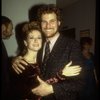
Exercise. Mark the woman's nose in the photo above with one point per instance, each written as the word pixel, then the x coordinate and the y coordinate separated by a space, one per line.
pixel 35 40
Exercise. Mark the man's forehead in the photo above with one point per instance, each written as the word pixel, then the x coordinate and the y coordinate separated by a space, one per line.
pixel 48 15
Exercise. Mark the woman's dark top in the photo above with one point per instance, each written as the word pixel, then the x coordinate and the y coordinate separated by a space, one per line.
pixel 23 83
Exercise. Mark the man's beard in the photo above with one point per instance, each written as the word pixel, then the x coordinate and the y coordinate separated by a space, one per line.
pixel 52 35
pixel 6 36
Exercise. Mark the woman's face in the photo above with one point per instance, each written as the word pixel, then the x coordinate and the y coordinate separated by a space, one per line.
pixel 34 40
pixel 87 46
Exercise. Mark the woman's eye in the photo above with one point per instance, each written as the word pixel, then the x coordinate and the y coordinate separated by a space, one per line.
pixel 39 38
pixel 31 38
pixel 35 38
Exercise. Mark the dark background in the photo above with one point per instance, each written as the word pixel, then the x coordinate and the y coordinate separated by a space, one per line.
pixel 97 40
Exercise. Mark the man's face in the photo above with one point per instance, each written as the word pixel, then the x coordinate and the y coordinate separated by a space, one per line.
pixel 49 24
pixel 7 31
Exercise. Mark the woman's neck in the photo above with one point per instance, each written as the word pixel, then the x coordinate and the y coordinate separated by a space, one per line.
pixel 30 56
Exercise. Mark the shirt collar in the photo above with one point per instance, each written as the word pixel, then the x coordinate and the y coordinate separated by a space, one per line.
pixel 54 38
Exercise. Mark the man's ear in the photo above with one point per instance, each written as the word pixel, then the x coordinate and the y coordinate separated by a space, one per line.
pixel 59 23
pixel 25 43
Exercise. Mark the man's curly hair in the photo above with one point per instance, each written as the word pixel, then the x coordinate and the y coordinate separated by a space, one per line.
pixel 49 8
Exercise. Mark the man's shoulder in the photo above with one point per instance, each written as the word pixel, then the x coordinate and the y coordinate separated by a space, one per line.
pixel 69 40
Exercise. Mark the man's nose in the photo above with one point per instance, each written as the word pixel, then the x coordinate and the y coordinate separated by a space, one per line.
pixel 48 25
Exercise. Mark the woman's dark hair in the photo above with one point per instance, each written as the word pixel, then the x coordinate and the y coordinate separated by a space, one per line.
pixel 49 8
pixel 29 27
pixel 85 40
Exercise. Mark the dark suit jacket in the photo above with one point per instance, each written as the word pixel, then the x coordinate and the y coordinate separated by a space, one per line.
pixel 4 73
pixel 63 51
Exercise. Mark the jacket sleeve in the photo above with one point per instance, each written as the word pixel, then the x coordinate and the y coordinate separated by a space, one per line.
pixel 71 86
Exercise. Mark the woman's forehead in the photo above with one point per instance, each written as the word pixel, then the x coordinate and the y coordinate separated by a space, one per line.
pixel 35 33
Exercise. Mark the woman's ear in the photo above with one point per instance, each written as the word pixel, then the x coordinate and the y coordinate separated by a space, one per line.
pixel 25 43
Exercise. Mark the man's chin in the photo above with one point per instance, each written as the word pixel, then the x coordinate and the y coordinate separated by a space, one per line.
pixel 6 37
pixel 49 34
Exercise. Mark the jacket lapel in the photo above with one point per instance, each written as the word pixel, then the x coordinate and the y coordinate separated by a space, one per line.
pixel 57 47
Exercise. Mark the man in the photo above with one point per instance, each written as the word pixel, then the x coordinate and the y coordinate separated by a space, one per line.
pixel 6 30
pixel 62 51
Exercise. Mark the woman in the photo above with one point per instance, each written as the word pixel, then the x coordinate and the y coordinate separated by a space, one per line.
pixel 27 80
pixel 90 91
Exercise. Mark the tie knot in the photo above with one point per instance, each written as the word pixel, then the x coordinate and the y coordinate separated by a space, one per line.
pixel 47 42
pixel 47 47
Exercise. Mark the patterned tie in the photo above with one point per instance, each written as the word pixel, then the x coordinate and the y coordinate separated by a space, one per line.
pixel 47 52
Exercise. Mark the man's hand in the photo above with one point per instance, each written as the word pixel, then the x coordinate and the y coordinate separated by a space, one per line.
pixel 69 70
pixel 43 89
pixel 17 64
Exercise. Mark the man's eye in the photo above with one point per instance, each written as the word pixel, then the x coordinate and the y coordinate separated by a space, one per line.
pixel 43 22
